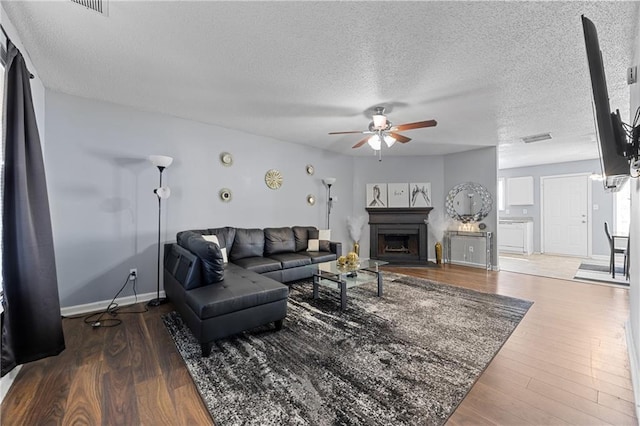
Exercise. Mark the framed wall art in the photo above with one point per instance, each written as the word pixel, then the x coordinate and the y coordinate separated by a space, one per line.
pixel 398 194
pixel 377 195
pixel 420 194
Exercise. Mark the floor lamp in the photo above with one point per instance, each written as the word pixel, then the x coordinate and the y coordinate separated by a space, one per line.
pixel 161 162
pixel 329 181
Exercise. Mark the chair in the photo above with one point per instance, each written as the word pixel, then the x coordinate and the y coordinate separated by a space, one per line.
pixel 616 250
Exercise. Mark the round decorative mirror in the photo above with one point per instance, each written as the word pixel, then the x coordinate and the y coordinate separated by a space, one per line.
pixel 469 202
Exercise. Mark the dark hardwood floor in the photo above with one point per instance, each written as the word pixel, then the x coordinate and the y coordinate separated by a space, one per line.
pixel 566 363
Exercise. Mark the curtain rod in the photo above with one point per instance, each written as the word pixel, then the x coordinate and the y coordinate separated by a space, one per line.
pixel 9 39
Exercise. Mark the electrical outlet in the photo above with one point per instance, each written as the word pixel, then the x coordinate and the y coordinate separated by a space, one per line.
pixel 471 249
pixel 133 273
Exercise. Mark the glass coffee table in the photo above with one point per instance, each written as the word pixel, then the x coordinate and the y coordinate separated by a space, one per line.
pixel 329 274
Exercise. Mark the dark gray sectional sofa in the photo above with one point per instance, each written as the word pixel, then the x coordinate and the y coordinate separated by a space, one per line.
pixel 217 300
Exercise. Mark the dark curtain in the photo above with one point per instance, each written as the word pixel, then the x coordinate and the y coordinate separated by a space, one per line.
pixel 31 322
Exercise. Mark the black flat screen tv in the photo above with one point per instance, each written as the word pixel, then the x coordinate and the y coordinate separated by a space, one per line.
pixel 612 140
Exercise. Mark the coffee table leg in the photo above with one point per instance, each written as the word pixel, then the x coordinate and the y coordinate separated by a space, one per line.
pixel 315 286
pixel 343 295
pixel 379 284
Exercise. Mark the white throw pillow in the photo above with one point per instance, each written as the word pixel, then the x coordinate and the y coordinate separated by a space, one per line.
pixel 314 245
pixel 214 239
pixel 324 234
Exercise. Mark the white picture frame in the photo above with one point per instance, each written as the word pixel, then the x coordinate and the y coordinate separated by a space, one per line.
pixel 377 195
pixel 398 194
pixel 420 194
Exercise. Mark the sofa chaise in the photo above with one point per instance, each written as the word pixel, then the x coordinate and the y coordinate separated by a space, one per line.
pixel 216 298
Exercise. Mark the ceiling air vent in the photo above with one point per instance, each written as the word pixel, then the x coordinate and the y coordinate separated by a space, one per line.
pixel 100 6
pixel 536 138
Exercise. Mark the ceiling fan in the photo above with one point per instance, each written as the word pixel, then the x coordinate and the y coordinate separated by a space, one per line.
pixel 382 129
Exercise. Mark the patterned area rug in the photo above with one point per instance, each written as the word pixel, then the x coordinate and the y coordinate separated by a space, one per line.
pixel 598 273
pixel 409 357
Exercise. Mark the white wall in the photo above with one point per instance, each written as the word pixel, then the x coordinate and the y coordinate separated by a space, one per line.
pixel 634 289
pixel 103 209
pixel 604 200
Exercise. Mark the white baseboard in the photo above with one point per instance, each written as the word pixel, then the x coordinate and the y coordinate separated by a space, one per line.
pixel 102 305
pixel 7 381
pixel 634 364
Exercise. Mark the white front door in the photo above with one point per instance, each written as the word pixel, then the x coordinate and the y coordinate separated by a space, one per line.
pixel 565 215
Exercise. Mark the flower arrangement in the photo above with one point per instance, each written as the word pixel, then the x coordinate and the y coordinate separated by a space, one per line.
pixel 438 223
pixel 355 225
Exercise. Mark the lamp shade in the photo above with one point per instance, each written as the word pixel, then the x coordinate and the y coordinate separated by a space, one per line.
pixel 374 142
pixel 163 192
pixel 389 140
pixel 329 181
pixel 161 160
pixel 379 121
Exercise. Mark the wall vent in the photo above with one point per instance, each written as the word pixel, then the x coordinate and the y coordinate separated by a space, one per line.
pixel 536 138
pixel 100 6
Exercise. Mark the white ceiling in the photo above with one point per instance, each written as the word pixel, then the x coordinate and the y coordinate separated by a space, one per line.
pixel 489 72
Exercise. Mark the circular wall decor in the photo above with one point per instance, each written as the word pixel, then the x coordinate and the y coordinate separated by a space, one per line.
pixel 226 159
pixel 225 195
pixel 311 199
pixel 273 179
pixel 468 202
pixel 310 169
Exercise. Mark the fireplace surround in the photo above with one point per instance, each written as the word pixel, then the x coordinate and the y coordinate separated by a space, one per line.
pixel 399 235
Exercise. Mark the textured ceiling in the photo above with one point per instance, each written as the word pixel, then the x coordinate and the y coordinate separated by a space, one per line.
pixel 490 73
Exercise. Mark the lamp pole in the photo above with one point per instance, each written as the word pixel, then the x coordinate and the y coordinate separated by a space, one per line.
pixel 161 162
pixel 158 300
pixel 329 201
pixel 329 181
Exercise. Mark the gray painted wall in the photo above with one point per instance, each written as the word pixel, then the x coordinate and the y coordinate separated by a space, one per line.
pixel 479 166
pixel 443 172
pixel 104 212
pixel 603 200
pixel 396 170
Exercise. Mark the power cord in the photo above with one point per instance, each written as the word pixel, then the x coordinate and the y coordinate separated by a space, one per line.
pixel 113 308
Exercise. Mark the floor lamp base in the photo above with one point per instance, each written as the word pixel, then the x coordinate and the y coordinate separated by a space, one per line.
pixel 157 302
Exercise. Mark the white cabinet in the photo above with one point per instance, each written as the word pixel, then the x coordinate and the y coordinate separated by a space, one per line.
pixel 516 237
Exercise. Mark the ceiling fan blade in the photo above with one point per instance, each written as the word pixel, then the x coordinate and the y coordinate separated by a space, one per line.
pixel 416 125
pixel 344 133
pixel 362 142
pixel 400 138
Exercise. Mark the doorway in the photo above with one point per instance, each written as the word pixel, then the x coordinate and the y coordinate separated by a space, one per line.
pixel 565 218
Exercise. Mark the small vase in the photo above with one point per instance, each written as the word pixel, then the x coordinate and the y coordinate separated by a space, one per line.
pixel 356 248
pixel 438 253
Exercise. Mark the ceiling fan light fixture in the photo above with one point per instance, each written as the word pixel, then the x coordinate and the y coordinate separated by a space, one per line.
pixel 389 140
pixel 375 142
pixel 379 121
